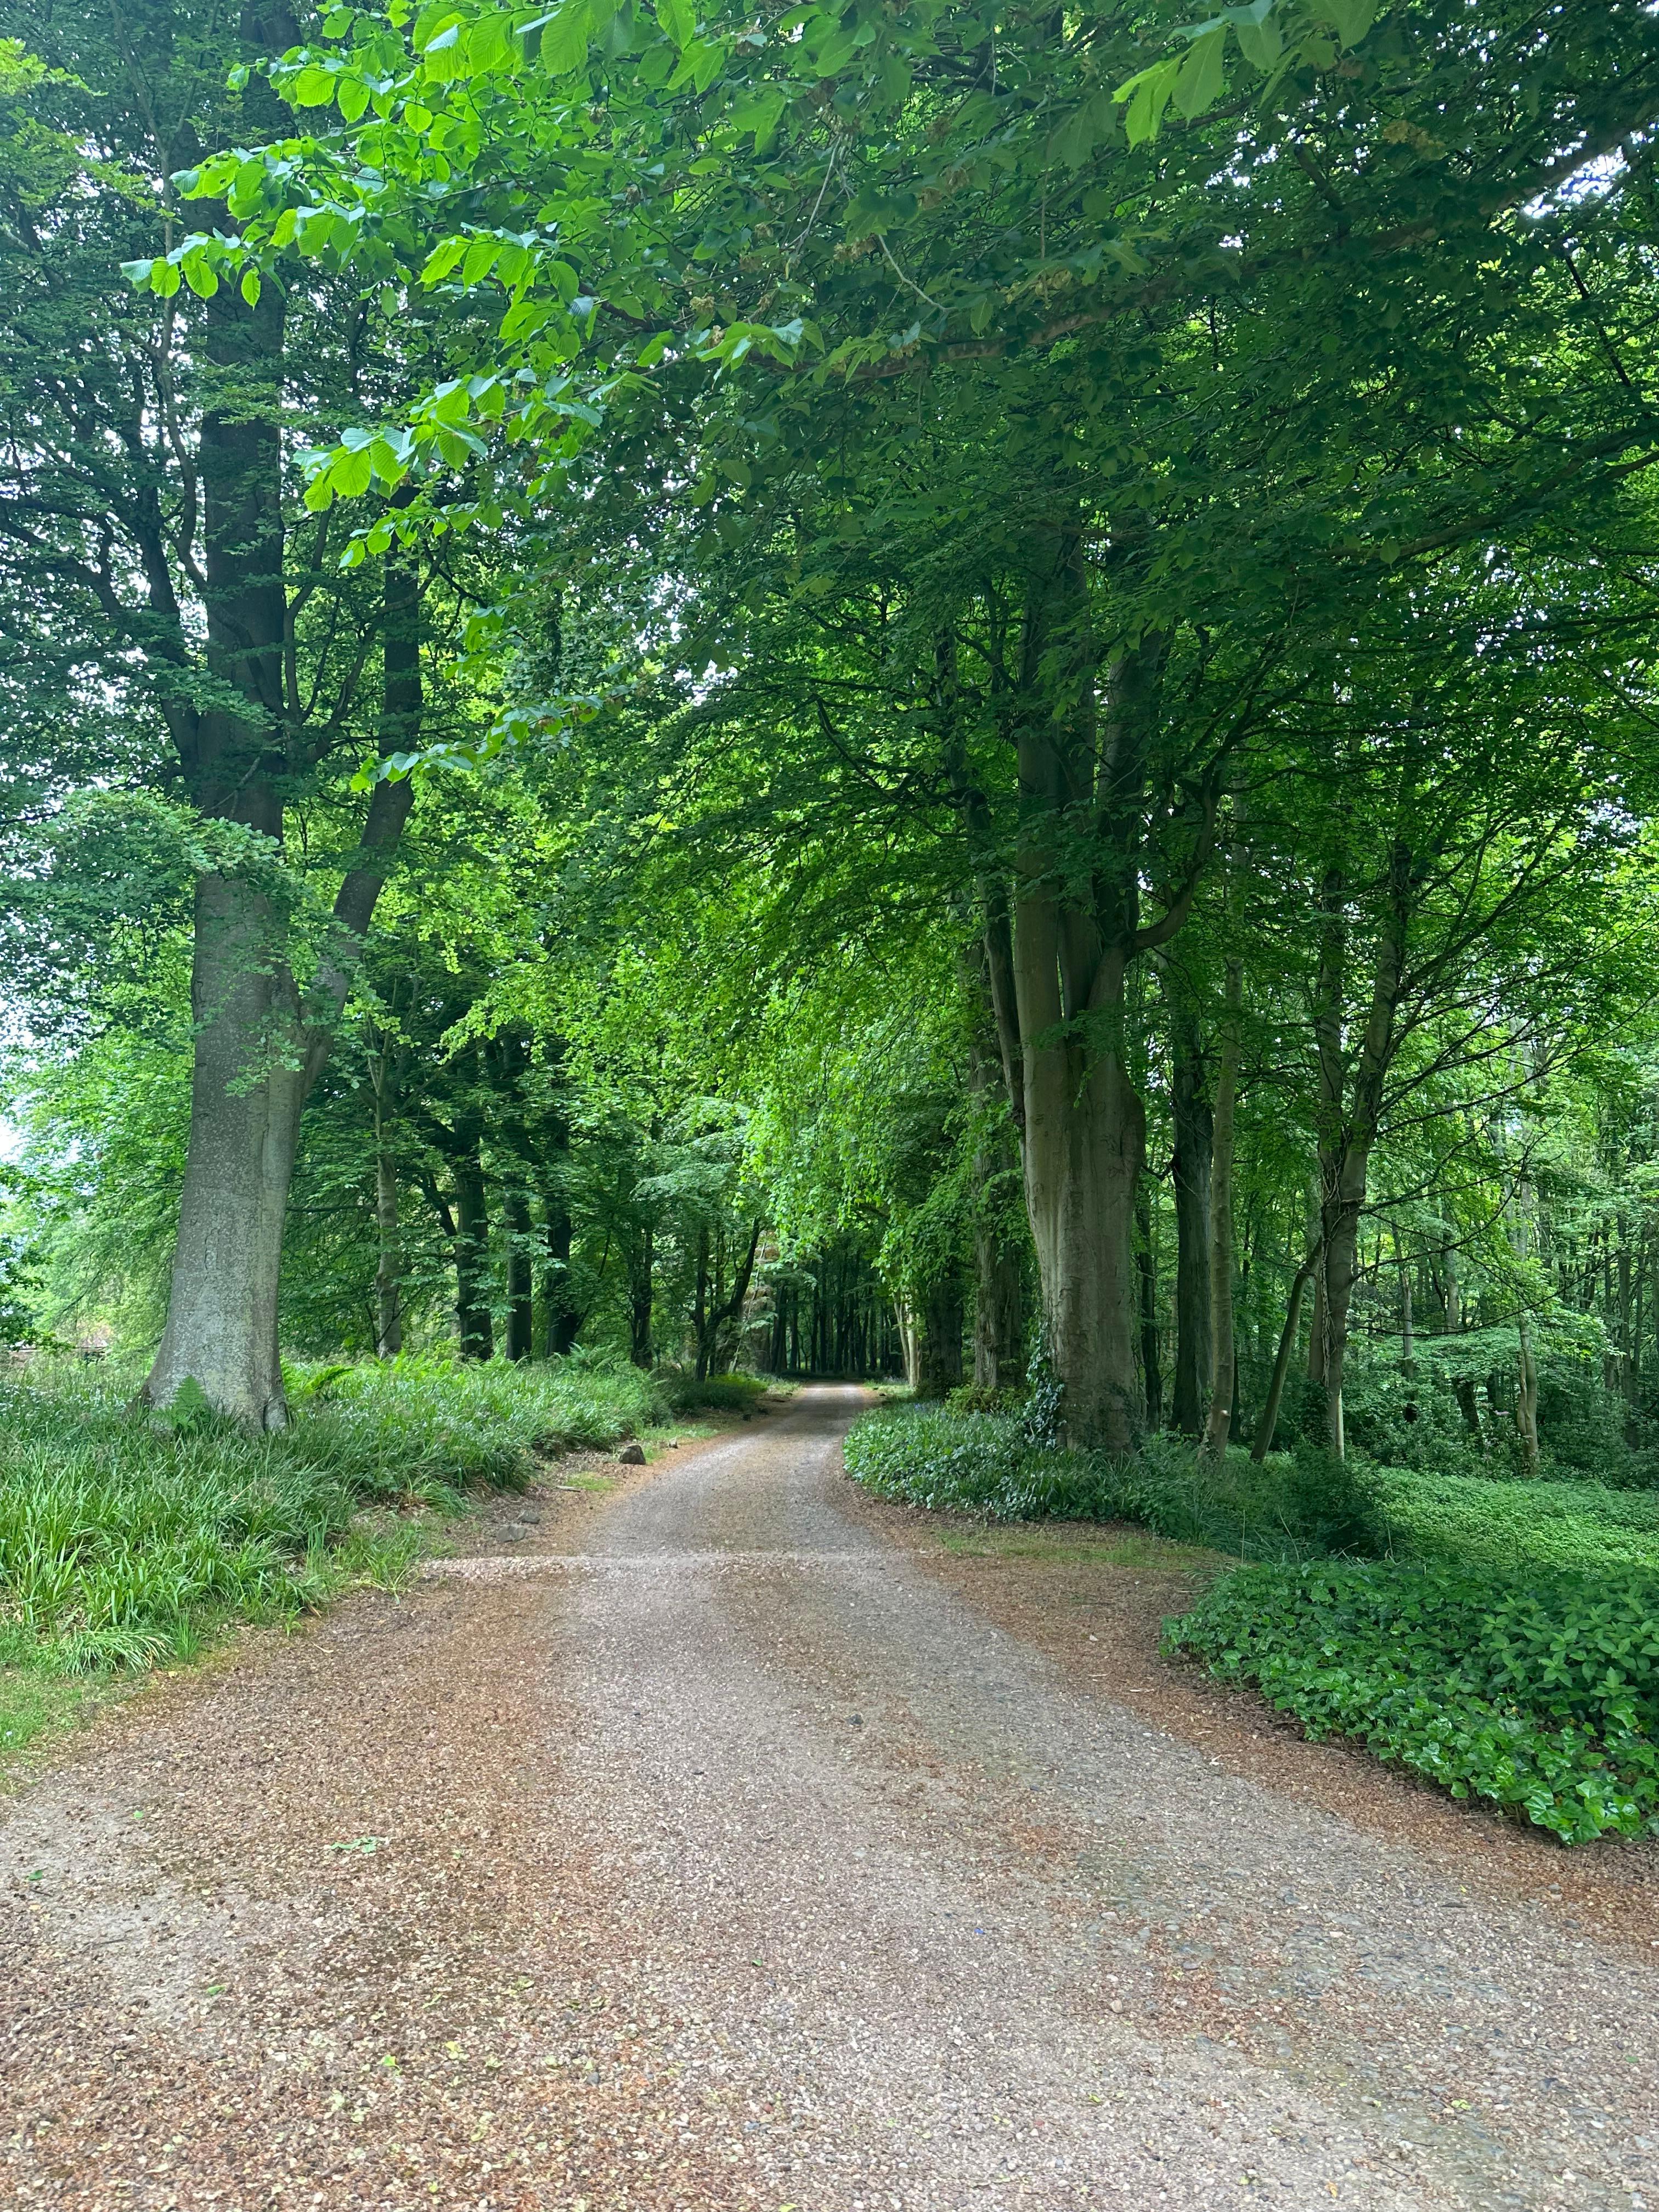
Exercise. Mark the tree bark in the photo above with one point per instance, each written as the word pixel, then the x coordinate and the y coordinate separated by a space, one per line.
pixel 940 1321
pixel 1345 1152
pixel 1147 1260
pixel 1225 1357
pixel 642 1295
pixel 520 1277
pixel 220 1329
pixel 1269 1421
pixel 257 1050
pixel 388 1279
pixel 472 1304
pixel 1084 1125
pixel 1190 1172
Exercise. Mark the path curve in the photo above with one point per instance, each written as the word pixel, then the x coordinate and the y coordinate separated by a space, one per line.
pixel 706 1850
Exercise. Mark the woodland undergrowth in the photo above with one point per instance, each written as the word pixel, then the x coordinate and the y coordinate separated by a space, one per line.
pixel 1499 1638
pixel 128 1539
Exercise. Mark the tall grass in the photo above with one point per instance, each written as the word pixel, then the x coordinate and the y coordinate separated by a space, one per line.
pixel 123 1537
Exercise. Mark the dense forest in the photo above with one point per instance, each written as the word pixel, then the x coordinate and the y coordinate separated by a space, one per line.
pixel 889 689
pixel 871 689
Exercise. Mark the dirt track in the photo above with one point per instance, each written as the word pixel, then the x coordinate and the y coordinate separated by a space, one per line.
pixel 704 1846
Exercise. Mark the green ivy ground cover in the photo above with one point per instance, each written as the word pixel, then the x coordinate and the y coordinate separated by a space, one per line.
pixel 1541 1695
pixel 1520 1524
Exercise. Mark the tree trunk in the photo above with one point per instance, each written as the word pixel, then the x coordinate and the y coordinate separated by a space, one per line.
pixel 220 1329
pixel 727 1327
pixel 388 1279
pixel 1076 936
pixel 257 1051
pixel 938 1338
pixel 641 1295
pixel 1223 1375
pixel 521 1278
pixel 1269 1421
pixel 1152 1374
pixel 561 1323
pixel 1526 1399
pixel 1348 1135
pixel 1084 1147
pixel 472 1314
pixel 1190 1171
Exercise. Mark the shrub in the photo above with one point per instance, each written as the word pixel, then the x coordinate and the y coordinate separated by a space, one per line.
pixel 718 1394
pixel 984 1463
pixel 981 1398
pixel 1542 1696
pixel 1332 1506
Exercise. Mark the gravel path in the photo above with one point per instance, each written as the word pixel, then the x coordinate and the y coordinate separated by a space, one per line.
pixel 704 1846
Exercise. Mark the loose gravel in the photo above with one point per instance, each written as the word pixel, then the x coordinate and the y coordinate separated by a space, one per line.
pixel 723 1844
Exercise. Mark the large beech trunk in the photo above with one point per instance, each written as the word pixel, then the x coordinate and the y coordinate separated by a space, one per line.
pixel 1084 1125
pixel 220 1329
pixel 1057 957
pixel 257 1049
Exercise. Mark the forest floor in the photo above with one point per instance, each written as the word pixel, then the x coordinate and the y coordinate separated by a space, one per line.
pixel 729 1840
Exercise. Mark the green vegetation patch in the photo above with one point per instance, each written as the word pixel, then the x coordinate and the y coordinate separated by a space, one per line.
pixel 125 1537
pixel 1460 1518
pixel 985 1463
pixel 1542 1696
pixel 717 1393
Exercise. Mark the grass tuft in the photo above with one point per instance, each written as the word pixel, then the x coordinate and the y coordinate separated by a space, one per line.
pixel 125 1540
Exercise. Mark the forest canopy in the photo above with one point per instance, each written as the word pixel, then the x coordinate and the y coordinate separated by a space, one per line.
pixel 845 689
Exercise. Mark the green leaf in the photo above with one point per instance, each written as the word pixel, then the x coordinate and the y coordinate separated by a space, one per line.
pixel 351 474
pixel 249 287
pixel 564 41
pixel 313 88
pixel 1259 40
pixel 1201 76
pixel 1351 18
pixel 1148 96
pixel 1082 131
pixel 679 18
pixel 164 278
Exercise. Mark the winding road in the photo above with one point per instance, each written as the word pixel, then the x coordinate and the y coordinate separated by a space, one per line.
pixel 703 1845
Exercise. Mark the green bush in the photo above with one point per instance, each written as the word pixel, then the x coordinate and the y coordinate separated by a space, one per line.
pixel 984 1463
pixel 716 1394
pixel 1542 1696
pixel 124 1535
pixel 981 1398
